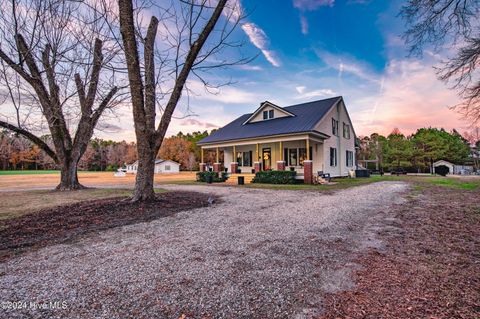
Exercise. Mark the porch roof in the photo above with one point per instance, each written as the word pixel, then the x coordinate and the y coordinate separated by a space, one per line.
pixel 306 116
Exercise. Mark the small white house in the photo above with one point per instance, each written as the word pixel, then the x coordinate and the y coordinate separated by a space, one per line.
pixel 161 167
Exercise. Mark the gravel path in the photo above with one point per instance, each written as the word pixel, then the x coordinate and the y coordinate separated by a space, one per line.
pixel 256 254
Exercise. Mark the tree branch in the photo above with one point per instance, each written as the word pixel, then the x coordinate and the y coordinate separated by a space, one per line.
pixel 182 77
pixel 149 56
pixel 35 139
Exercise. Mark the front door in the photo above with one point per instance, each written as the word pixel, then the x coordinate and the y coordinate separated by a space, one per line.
pixel 267 158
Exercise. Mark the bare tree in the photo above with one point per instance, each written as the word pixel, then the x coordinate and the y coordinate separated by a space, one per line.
pixel 181 49
pixel 456 23
pixel 53 53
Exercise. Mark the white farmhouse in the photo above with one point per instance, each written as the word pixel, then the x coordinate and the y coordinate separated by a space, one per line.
pixel 311 138
pixel 161 167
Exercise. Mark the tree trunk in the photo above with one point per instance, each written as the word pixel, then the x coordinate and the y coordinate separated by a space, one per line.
pixel 69 177
pixel 145 174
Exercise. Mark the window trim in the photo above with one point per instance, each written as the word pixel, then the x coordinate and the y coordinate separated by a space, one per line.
pixel 335 127
pixel 286 155
pixel 268 114
pixel 349 158
pixel 346 130
pixel 333 151
pixel 242 158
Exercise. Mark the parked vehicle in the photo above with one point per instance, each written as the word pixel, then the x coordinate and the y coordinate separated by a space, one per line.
pixel 398 171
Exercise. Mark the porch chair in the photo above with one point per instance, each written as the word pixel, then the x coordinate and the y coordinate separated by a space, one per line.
pixel 324 176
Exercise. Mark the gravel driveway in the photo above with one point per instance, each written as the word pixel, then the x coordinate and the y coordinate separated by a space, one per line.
pixel 256 254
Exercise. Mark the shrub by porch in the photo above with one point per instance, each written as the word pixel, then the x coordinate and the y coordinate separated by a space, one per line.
pixel 275 177
pixel 216 177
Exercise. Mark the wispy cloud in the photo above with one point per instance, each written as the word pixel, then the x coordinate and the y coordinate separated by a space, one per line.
pixel 225 94
pixel 300 89
pixel 259 39
pixel 306 95
pixel 304 24
pixel 310 5
pixel 347 64
pixel 411 98
pixel 198 124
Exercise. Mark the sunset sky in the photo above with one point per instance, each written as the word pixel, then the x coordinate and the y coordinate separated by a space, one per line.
pixel 314 49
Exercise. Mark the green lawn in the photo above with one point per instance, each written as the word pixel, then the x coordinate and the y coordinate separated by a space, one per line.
pixel 28 172
pixel 455 183
pixel 342 183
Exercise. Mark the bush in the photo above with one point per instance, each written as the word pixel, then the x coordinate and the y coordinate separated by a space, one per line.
pixel 216 178
pixel 111 168
pixel 442 170
pixel 275 177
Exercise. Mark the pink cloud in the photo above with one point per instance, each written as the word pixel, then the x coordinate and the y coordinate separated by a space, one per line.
pixel 198 124
pixel 411 97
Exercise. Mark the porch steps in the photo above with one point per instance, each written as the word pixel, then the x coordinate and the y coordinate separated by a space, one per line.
pixel 233 178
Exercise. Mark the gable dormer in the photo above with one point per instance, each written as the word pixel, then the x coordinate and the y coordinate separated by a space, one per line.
pixel 266 112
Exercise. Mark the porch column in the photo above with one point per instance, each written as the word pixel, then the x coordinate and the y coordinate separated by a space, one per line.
pixel 217 164
pixel 307 146
pixel 234 163
pixel 202 165
pixel 307 172
pixel 281 162
pixel 257 165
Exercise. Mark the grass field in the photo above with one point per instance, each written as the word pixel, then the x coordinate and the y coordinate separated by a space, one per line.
pixel 465 183
pixel 29 172
pixel 89 179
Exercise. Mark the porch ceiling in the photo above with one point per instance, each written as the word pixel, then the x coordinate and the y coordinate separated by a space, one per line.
pixel 313 137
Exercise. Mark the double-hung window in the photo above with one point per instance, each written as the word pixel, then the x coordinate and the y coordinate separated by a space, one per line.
pixel 346 131
pixel 244 158
pixel 349 158
pixel 334 127
pixel 267 115
pixel 333 156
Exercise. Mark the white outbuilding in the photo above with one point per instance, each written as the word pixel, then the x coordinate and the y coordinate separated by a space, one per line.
pixel 161 167
pixel 444 163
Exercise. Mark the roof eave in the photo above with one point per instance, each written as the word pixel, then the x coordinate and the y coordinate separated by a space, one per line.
pixel 318 133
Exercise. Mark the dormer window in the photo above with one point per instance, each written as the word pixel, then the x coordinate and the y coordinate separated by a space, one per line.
pixel 267 111
pixel 267 115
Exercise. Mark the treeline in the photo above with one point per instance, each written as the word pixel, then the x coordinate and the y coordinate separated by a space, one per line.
pixel 417 152
pixel 18 153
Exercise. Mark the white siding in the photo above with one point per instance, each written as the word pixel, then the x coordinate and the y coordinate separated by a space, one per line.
pixel 167 167
pixel 339 113
pixel 160 168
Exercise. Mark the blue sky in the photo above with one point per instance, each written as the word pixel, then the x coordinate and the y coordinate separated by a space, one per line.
pixel 314 49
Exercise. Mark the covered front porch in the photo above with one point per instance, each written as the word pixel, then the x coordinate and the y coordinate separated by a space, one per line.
pixel 301 153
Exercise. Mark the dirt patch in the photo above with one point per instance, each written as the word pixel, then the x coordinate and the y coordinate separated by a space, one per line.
pixel 64 223
pixel 430 269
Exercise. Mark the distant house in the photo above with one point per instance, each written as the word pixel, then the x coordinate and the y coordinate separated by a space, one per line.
pixel 161 167
pixel 309 138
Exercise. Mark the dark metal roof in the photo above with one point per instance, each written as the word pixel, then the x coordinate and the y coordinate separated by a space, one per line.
pixel 307 115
